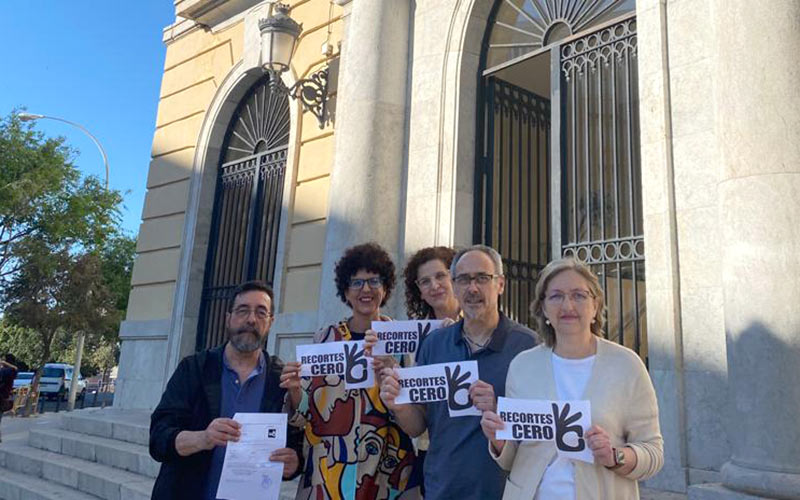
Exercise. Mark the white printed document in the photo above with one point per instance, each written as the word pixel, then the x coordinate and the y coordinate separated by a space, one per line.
pixel 247 472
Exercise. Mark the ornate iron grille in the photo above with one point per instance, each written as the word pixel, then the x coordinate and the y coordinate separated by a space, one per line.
pixel 601 202
pixel 513 188
pixel 523 26
pixel 247 206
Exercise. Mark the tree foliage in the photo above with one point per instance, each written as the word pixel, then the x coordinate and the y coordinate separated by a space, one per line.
pixel 44 197
pixel 65 265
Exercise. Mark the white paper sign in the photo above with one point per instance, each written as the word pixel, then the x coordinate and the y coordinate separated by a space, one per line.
pixel 402 337
pixel 346 359
pixel 441 382
pixel 564 422
pixel 247 472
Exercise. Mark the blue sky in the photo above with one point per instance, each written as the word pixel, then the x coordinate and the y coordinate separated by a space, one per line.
pixel 97 63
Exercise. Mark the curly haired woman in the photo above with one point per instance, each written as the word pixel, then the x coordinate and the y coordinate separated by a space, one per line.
pixel 353 448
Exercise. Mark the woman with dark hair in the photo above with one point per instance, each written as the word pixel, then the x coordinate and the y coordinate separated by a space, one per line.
pixel 429 290
pixel 354 450
pixel 575 362
pixel 429 295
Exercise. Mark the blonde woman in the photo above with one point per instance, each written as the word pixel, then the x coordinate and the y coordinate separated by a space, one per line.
pixel 576 363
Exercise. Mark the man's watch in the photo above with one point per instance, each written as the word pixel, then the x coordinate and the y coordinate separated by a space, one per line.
pixel 619 458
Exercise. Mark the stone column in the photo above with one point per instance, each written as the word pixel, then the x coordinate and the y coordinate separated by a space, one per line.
pixel 367 190
pixel 758 119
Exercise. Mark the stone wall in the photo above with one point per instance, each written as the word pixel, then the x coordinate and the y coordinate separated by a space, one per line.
pixel 205 67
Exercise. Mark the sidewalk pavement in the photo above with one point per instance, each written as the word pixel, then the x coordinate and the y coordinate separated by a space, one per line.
pixel 14 428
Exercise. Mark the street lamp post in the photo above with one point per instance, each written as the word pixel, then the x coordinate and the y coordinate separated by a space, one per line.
pixel 73 386
pixel 27 117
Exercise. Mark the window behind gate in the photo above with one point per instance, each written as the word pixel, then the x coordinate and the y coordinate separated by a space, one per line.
pixel 247 205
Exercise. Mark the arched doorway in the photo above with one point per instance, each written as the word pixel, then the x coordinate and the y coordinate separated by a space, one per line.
pixel 558 169
pixel 247 205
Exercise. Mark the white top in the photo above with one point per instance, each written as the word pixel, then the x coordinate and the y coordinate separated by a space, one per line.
pixel 571 376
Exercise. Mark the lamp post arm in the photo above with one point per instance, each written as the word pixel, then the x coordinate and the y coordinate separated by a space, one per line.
pixel 92 137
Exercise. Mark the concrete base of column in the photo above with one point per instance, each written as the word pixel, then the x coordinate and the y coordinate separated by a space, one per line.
pixel 774 484
pixel 715 491
pixel 741 483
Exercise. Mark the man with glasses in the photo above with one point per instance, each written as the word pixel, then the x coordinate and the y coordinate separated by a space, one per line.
pixel 458 464
pixel 193 422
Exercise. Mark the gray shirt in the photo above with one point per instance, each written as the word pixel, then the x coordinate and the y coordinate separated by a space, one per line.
pixel 458 464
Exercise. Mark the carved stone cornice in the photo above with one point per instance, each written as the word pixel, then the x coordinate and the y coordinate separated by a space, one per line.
pixel 212 12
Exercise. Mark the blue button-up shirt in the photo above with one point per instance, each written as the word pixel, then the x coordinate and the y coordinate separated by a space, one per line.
pixel 458 464
pixel 236 397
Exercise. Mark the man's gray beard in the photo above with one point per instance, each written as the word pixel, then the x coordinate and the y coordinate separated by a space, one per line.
pixel 239 342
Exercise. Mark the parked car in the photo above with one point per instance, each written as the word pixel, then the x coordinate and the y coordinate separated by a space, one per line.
pixel 24 379
pixel 55 381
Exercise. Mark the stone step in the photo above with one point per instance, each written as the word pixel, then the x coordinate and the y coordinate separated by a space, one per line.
pixel 93 478
pixel 715 491
pixel 118 454
pixel 132 426
pixel 16 486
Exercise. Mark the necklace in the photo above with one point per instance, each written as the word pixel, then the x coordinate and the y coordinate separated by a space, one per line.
pixel 477 345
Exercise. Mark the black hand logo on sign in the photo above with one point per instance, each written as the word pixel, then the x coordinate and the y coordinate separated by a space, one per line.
pixel 564 425
pixel 457 382
pixel 354 359
pixel 423 331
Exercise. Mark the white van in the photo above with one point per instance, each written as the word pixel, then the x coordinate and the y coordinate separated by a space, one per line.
pixel 55 381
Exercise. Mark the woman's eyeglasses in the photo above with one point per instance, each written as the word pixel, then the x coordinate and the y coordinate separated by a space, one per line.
pixel 358 283
pixel 578 297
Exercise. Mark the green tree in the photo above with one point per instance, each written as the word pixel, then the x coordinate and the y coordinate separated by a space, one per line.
pixel 44 197
pixel 64 265
pixel 22 342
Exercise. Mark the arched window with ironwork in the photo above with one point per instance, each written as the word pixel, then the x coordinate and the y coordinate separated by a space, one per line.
pixel 558 169
pixel 247 205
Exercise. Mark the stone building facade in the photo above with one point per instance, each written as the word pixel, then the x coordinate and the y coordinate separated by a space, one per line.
pixel 411 155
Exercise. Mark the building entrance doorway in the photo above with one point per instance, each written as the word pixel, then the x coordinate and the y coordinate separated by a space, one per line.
pixel 558 170
pixel 247 205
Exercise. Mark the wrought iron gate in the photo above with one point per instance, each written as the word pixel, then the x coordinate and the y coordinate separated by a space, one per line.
pixel 247 205
pixel 601 203
pixel 513 186
pixel 592 115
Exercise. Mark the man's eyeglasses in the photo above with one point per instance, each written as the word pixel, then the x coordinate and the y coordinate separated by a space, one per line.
pixel 578 297
pixel 480 278
pixel 358 283
pixel 243 312
pixel 427 281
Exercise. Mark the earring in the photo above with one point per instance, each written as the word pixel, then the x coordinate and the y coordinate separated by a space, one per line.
pixel 547 322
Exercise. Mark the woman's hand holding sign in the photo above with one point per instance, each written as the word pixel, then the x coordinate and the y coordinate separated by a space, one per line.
pixel 600 444
pixel 378 362
pixel 390 387
pixel 290 380
pixel 490 424
pixel 482 395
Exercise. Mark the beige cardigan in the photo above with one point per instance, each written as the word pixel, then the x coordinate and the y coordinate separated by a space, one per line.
pixel 623 403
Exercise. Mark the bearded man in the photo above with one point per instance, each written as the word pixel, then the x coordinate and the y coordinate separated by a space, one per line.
pixel 193 422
